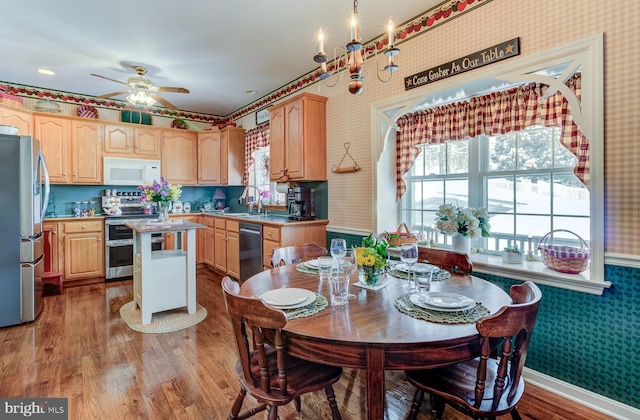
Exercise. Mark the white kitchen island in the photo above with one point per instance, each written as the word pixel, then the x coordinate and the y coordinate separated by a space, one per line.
pixel 164 279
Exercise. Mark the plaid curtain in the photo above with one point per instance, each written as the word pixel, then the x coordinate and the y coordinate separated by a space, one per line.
pixel 492 114
pixel 253 140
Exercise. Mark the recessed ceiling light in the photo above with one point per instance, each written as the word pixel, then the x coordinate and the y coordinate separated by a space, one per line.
pixel 46 72
pixel 250 92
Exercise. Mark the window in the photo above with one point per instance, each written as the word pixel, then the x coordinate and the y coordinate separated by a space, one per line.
pixel 524 179
pixel 259 176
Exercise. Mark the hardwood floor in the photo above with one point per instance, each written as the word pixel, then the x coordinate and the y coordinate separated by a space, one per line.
pixel 80 348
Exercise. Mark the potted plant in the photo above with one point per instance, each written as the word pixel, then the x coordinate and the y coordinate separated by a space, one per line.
pixel 511 255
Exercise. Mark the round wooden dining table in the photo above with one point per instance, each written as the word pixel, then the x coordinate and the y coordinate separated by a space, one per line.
pixel 370 333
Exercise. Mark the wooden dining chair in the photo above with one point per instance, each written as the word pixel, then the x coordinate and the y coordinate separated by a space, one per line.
pixel 449 260
pixel 486 387
pixel 295 253
pixel 269 373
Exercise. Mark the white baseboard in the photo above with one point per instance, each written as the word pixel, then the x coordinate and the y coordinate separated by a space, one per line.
pixel 581 396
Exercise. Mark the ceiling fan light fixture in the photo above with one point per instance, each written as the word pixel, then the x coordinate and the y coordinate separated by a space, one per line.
pixel 140 97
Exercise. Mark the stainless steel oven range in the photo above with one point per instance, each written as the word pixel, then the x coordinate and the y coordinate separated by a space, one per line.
pixel 119 238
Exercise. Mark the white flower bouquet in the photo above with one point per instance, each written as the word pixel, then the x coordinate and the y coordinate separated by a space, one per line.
pixel 465 221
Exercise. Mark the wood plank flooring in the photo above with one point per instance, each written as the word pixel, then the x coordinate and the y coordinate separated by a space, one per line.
pixel 80 348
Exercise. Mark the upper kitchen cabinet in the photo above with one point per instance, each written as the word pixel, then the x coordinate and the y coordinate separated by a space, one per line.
pixel 297 150
pixel 53 133
pixel 17 118
pixel 221 157
pixel 139 142
pixel 72 148
pixel 180 156
pixel 86 152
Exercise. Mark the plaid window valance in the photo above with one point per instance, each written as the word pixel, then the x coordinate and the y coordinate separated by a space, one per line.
pixel 492 114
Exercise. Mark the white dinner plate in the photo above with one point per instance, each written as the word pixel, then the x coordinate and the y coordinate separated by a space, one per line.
pixel 418 300
pixel 416 267
pixel 312 264
pixel 446 300
pixel 288 297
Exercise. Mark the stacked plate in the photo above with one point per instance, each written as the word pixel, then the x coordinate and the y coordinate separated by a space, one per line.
pixel 442 301
pixel 8 129
pixel 288 298
pixel 44 105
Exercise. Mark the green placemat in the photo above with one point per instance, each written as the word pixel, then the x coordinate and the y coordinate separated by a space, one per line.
pixel 438 276
pixel 302 267
pixel 470 316
pixel 318 305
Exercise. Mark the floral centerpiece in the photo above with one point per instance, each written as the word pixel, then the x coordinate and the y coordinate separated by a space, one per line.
pixel 161 193
pixel 265 196
pixel 463 221
pixel 371 259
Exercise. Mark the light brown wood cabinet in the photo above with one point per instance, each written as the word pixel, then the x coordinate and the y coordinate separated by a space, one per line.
pixel 82 249
pixel 233 249
pixel 17 118
pixel 53 133
pixel 86 152
pixel 136 141
pixel 51 228
pixel 221 157
pixel 209 240
pixel 276 236
pixel 71 147
pixel 221 245
pixel 180 157
pixel 297 150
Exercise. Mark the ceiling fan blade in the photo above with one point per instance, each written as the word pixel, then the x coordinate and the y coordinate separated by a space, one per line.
pixel 173 89
pixel 163 101
pixel 107 78
pixel 108 95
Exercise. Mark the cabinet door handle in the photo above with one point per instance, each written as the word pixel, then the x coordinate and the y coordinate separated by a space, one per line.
pixel 83 227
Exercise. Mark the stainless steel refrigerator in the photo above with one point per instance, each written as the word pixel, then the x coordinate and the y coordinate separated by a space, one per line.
pixel 24 194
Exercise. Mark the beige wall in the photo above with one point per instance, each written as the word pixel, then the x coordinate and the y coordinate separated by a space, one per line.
pixel 540 24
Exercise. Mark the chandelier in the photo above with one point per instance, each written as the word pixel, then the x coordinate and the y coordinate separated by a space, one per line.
pixel 140 97
pixel 354 55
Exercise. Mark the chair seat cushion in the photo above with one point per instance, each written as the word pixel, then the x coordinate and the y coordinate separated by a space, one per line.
pixel 460 380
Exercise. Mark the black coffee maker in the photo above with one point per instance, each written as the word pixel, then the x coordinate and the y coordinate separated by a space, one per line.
pixel 302 203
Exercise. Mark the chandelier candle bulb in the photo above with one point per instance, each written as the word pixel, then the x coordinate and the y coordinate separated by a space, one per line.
pixel 391 37
pixel 320 42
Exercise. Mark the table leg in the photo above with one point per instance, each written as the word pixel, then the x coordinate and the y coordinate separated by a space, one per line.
pixel 375 384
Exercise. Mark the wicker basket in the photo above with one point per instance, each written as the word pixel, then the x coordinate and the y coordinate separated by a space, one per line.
pixel 401 236
pixel 562 258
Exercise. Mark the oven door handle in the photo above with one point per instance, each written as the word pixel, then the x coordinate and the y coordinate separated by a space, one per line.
pixel 123 242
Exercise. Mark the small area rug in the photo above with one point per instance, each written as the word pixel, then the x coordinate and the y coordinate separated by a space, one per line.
pixel 161 322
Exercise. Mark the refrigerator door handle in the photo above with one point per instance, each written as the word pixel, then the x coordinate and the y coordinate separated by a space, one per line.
pixel 32 263
pixel 36 187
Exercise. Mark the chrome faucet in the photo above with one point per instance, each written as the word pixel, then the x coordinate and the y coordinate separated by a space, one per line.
pixel 244 196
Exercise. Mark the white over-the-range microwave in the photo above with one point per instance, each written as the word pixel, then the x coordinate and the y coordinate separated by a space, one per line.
pixel 125 171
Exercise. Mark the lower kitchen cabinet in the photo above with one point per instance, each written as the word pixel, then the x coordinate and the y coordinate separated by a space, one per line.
pixel 209 240
pixel 221 245
pixel 50 229
pixel 233 249
pixel 83 249
pixel 276 236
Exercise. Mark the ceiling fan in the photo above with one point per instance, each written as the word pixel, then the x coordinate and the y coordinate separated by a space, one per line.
pixel 142 90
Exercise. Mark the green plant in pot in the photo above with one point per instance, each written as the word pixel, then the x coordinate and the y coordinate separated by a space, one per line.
pixel 511 255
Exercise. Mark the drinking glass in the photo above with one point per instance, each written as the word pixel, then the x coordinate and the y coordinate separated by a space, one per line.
pixel 325 267
pixel 409 256
pixel 338 248
pixel 339 287
pixel 423 274
pixel 349 266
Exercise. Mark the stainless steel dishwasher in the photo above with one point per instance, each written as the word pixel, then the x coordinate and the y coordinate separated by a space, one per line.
pixel 250 249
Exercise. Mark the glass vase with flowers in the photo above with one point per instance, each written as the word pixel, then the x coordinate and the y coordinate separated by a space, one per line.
pixel 162 193
pixel 371 259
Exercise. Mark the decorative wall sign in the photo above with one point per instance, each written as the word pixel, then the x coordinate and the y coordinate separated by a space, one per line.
pixel 478 59
pixel 262 116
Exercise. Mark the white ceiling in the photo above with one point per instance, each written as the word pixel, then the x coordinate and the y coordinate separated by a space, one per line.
pixel 216 49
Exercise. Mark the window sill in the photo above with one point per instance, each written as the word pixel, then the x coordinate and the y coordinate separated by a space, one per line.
pixel 537 272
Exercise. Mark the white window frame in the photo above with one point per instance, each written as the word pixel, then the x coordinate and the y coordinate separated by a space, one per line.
pixel 586 54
